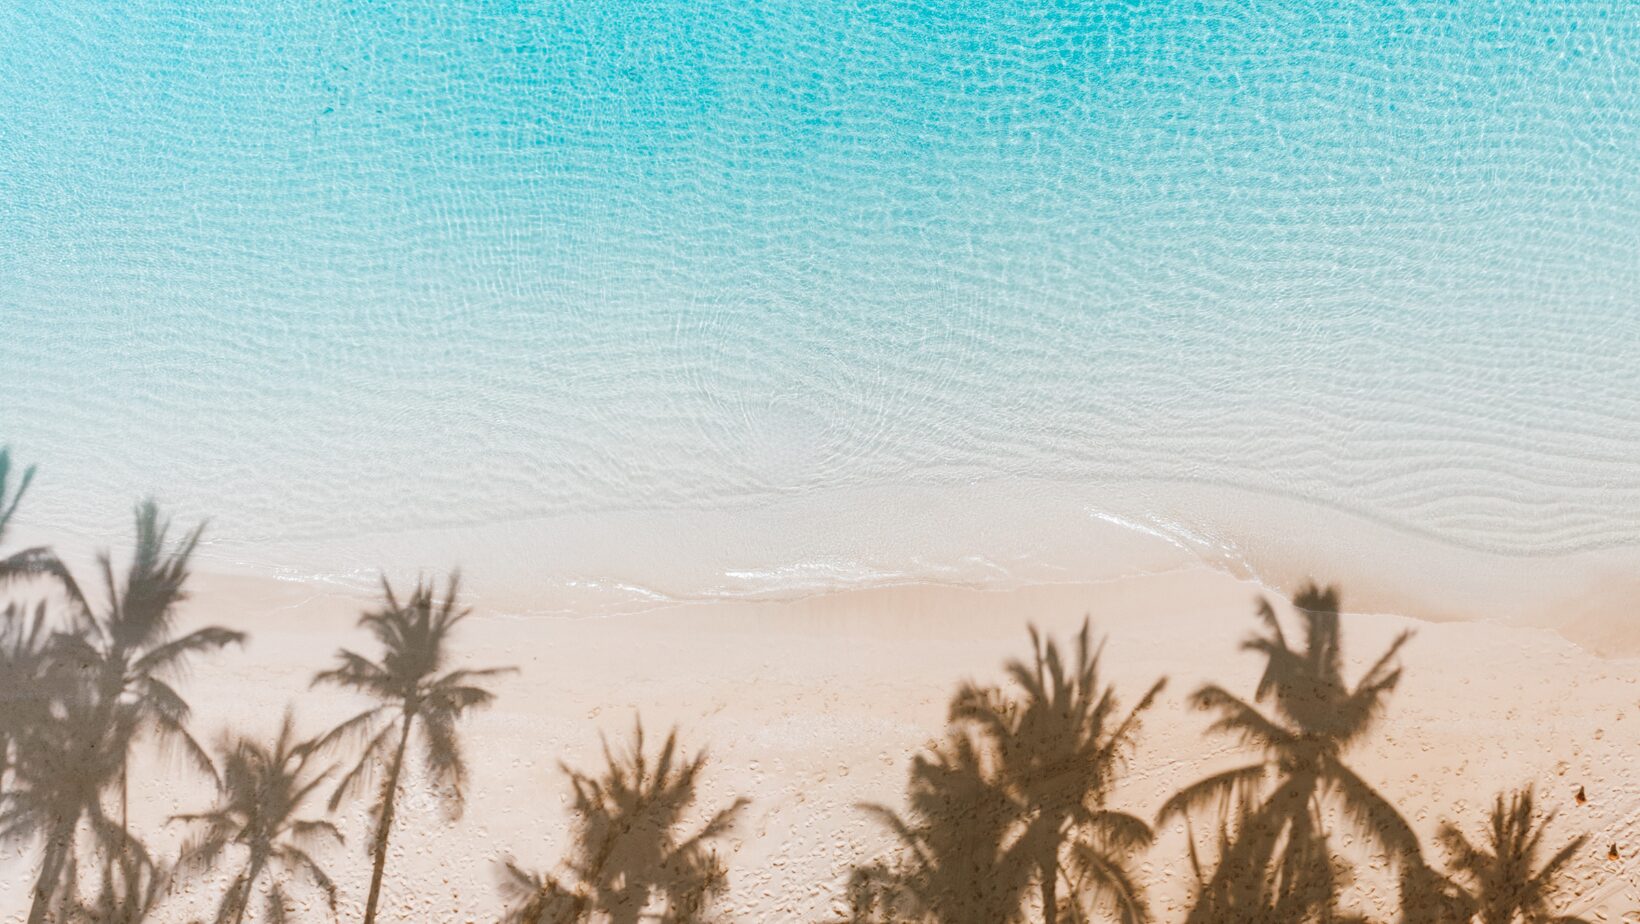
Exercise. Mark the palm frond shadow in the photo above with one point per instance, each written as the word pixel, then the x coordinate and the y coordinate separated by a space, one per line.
pixel 1274 861
pixel 1016 802
pixel 631 849
pixel 257 816
pixel 90 691
pixel 416 695
pixel 62 771
pixel 1508 877
pixel 961 858
pixel 32 562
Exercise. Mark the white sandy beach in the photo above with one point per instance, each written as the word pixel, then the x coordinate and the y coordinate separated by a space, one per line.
pixel 812 707
pixel 768 369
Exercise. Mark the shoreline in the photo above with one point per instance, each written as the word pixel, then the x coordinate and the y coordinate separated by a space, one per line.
pixel 990 537
pixel 811 707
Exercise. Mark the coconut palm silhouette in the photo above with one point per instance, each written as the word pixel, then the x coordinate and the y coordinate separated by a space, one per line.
pixel 126 650
pixel 1060 742
pixel 630 848
pixel 1318 715
pixel 25 647
pixel 62 770
pixel 962 859
pixel 263 791
pixel 1306 892
pixel 108 679
pixel 25 680
pixel 414 694
pixel 1508 880
pixel 27 562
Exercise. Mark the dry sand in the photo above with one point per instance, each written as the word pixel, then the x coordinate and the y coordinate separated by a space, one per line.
pixel 812 707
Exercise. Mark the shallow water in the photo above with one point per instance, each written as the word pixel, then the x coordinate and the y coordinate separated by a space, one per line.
pixel 668 300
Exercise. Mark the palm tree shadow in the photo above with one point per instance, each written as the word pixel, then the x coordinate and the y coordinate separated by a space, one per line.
pixel 960 860
pixel 25 681
pixel 1506 878
pixel 92 692
pixel 62 771
pixel 1018 797
pixel 1304 886
pixel 39 561
pixel 1274 862
pixel 257 815
pixel 630 849
pixel 415 695
pixel 25 635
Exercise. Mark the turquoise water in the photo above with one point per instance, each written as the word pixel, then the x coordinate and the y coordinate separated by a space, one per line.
pixel 899 290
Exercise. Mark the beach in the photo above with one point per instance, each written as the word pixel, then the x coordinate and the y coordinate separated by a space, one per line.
pixel 812 708
pixel 770 370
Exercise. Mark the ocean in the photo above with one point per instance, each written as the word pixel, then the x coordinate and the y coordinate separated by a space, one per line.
pixel 616 303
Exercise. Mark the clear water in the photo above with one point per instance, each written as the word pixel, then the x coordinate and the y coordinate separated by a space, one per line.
pixel 677 298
